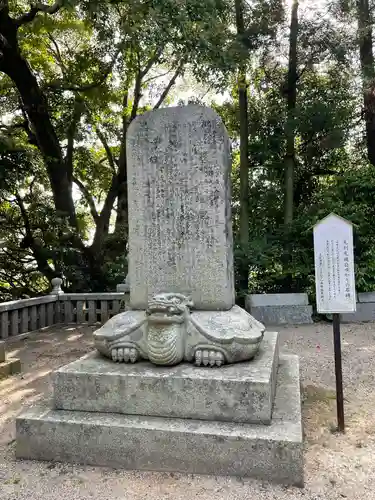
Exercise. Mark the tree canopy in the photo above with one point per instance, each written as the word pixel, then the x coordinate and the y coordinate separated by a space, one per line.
pixel 293 83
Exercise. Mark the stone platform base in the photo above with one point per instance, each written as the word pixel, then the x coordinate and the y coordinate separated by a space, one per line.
pixel 241 392
pixel 273 452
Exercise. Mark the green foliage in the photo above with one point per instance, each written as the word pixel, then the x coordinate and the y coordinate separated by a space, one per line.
pixel 349 194
pixel 352 197
pixel 97 64
pixel 279 258
pixel 100 63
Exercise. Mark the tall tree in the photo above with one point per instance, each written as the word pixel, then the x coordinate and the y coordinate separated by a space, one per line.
pixel 321 120
pixel 34 103
pixel 365 40
pixel 82 73
pixel 244 144
pixel 290 123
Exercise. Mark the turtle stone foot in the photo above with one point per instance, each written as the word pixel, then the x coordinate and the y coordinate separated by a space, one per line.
pixel 209 357
pixel 125 354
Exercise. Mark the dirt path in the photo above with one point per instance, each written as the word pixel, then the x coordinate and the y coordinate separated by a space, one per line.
pixel 335 466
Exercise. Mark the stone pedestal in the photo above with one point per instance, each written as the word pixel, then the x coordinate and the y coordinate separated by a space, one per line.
pixel 241 420
pixel 235 393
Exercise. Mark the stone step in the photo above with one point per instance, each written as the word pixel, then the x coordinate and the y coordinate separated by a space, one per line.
pixel 8 366
pixel 242 392
pixel 272 452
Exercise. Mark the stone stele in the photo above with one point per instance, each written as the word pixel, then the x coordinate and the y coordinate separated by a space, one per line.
pixel 180 247
pixel 243 419
pixel 180 231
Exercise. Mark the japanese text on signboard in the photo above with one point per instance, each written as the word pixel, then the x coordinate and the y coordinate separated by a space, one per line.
pixel 334 265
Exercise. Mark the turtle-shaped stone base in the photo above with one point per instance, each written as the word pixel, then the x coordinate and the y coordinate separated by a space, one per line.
pixel 170 332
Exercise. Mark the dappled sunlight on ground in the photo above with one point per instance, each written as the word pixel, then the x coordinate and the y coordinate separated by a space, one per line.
pixel 40 354
pixel 336 466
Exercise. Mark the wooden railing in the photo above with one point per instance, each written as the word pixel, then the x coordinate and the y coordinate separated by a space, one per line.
pixel 27 315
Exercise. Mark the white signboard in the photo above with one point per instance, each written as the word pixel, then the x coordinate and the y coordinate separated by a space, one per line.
pixel 334 265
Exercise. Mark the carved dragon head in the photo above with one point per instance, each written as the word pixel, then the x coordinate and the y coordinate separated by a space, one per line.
pixel 168 307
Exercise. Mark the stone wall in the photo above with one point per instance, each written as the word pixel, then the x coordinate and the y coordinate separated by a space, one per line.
pixel 280 308
pixel 365 309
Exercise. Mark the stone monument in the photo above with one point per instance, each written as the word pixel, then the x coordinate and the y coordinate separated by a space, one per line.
pixel 180 247
pixel 184 380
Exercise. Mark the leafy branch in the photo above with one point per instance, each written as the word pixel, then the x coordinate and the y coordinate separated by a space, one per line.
pixel 28 17
pixel 96 83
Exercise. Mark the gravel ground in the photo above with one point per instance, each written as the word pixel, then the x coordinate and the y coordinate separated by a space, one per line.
pixel 336 466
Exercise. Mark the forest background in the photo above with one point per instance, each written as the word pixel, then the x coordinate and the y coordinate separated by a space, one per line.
pixel 294 82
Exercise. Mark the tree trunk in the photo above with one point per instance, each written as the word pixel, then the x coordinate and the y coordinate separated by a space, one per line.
pixel 121 225
pixel 368 73
pixel 244 160
pixel 35 105
pixel 103 220
pixel 244 146
pixel 291 97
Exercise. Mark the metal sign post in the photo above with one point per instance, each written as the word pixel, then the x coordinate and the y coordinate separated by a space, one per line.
pixel 338 372
pixel 335 285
